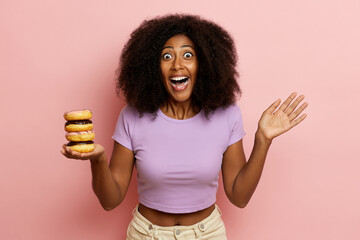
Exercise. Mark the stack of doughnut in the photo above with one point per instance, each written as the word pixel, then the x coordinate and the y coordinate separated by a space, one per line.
pixel 79 130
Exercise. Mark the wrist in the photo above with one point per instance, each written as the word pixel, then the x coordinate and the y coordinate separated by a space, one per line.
pixel 98 159
pixel 261 138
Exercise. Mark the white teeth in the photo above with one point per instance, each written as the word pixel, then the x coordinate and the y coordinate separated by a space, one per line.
pixel 180 87
pixel 178 78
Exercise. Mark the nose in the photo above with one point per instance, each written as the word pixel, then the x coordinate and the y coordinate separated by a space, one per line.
pixel 177 63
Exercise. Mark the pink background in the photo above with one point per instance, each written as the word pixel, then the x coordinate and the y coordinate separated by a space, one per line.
pixel 62 55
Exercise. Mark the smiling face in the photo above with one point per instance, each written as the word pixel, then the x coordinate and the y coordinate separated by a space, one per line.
pixel 179 67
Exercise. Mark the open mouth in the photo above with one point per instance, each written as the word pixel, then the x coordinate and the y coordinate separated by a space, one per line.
pixel 179 83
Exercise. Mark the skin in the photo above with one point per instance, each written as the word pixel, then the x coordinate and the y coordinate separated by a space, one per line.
pixel 240 176
pixel 179 60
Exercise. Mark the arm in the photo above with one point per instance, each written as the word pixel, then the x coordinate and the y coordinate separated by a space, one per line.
pixel 110 183
pixel 240 177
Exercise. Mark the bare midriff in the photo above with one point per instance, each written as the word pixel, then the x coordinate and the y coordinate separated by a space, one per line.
pixel 170 219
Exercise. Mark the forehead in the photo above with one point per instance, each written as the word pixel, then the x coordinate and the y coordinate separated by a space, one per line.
pixel 179 41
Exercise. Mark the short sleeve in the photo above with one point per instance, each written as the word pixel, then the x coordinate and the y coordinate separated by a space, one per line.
pixel 124 127
pixel 235 124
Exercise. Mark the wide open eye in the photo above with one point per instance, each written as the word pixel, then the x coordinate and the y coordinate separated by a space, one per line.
pixel 167 56
pixel 188 55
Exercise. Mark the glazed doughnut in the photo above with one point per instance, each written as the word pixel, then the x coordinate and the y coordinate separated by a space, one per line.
pixel 82 147
pixel 79 126
pixel 79 130
pixel 80 136
pixel 78 115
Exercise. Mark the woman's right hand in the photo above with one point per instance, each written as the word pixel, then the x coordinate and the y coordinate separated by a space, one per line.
pixel 94 156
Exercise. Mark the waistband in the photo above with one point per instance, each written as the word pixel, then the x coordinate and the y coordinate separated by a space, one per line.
pixel 198 228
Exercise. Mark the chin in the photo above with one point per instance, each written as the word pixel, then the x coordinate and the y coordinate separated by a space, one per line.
pixel 181 98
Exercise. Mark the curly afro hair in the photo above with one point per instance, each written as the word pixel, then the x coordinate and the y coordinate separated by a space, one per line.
pixel 139 69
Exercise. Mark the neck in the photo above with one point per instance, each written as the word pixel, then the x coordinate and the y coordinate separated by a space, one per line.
pixel 179 110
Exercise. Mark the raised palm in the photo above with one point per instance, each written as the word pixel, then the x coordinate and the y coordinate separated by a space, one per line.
pixel 275 122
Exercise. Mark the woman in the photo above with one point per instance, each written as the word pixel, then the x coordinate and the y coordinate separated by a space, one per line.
pixel 181 126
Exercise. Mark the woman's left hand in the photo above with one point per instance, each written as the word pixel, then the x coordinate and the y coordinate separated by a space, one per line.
pixel 274 123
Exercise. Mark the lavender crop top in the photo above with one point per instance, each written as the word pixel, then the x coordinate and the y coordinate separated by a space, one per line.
pixel 178 161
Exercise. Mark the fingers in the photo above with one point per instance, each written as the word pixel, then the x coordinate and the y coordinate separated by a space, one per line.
pixel 287 102
pixel 273 106
pixel 293 106
pixel 69 153
pixel 285 106
pixel 298 120
pixel 295 114
pixel 64 150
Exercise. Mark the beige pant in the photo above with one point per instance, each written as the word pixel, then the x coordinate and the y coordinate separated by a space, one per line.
pixel 211 228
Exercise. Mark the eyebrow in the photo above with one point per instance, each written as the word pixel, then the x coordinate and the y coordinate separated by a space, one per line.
pixel 183 46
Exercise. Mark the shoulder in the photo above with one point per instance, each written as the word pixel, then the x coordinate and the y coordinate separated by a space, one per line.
pixel 227 116
pixel 233 108
pixel 127 117
pixel 232 115
pixel 128 110
pixel 228 111
pixel 129 113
